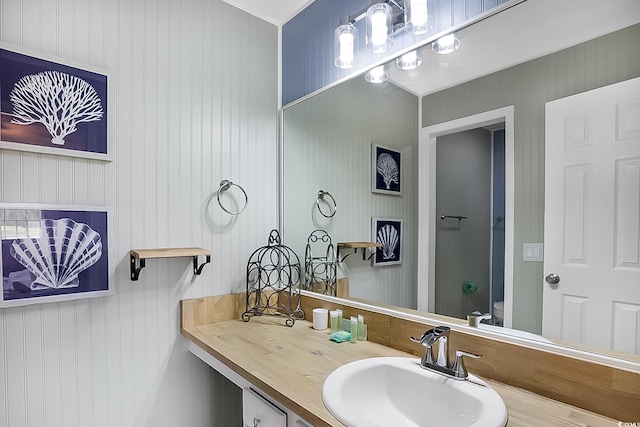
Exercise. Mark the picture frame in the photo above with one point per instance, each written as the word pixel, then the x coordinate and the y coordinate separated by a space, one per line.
pixel 388 232
pixel 53 253
pixel 51 105
pixel 386 170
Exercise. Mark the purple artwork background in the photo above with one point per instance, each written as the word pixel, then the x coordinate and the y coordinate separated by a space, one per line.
pixel 95 278
pixel 89 136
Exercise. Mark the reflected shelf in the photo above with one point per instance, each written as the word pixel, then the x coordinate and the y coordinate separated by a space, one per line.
pixel 358 245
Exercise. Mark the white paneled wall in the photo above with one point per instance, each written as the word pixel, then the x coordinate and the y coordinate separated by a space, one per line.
pixel 192 101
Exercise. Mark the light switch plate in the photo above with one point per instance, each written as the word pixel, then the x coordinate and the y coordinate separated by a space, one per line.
pixel 533 252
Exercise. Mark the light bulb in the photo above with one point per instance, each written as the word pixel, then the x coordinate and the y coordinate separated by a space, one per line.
pixel 378 25
pixel 379 28
pixel 409 61
pixel 446 44
pixel 417 15
pixel 346 48
pixel 376 75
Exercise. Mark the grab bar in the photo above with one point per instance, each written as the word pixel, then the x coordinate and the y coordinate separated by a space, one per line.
pixel 458 217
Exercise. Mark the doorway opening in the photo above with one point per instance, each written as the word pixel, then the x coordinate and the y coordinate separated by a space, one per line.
pixel 469 264
pixel 466 232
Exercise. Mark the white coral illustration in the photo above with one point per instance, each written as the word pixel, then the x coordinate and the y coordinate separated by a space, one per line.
pixel 387 167
pixel 57 100
pixel 388 236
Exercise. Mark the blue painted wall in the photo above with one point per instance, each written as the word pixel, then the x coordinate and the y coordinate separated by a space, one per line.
pixel 307 40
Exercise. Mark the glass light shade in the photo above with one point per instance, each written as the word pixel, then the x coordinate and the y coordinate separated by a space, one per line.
pixel 409 61
pixel 376 75
pixel 379 27
pixel 446 44
pixel 415 12
pixel 345 46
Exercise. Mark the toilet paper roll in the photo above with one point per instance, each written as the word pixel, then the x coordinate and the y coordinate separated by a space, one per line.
pixel 320 318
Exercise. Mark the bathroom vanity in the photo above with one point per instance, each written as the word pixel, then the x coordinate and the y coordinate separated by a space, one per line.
pixel 287 366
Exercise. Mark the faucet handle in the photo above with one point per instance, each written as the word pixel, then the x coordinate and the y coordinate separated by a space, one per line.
pixel 458 365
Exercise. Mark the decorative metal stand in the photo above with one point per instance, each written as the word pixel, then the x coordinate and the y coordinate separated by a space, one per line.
pixel 320 273
pixel 273 282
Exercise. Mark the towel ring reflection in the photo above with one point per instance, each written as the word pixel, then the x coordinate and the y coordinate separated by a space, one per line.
pixel 332 211
pixel 225 184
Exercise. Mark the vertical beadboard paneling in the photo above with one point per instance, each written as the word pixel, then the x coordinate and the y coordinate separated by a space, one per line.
pixel 599 62
pixel 191 102
pixel 327 142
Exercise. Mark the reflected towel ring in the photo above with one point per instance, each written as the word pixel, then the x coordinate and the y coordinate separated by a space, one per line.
pixel 225 184
pixel 332 212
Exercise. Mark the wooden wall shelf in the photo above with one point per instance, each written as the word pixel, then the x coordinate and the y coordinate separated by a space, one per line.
pixel 358 245
pixel 138 258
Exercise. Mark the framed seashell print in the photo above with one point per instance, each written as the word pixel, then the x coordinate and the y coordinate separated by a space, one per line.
pixel 387 232
pixel 51 105
pixel 54 253
pixel 386 168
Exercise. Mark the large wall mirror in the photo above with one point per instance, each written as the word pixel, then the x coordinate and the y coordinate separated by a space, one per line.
pixel 329 138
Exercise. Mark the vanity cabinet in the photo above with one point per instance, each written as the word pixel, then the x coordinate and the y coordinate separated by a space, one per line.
pixel 258 408
pixel 259 412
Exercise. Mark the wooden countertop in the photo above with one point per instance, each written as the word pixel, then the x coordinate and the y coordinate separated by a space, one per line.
pixel 291 364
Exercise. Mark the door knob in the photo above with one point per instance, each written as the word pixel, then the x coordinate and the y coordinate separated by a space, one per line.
pixel 552 279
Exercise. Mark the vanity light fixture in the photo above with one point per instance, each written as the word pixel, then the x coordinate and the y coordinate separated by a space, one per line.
pixel 379 27
pixel 446 44
pixel 376 75
pixel 415 12
pixel 385 19
pixel 409 61
pixel 345 46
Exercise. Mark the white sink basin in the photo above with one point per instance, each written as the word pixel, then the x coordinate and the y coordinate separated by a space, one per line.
pixel 396 392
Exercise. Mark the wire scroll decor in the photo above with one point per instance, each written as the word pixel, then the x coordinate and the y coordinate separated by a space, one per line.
pixel 273 282
pixel 320 272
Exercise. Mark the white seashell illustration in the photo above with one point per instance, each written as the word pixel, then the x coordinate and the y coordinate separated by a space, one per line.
pixel 64 249
pixel 388 236
pixel 387 167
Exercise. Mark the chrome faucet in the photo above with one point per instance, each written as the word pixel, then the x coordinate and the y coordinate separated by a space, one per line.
pixel 441 364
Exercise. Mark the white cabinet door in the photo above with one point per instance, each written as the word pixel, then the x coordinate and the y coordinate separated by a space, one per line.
pixel 258 412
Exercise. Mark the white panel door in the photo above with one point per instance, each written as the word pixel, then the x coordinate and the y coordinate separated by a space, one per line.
pixel 592 218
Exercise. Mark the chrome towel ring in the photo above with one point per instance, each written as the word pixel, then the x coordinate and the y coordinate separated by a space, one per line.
pixel 332 211
pixel 225 184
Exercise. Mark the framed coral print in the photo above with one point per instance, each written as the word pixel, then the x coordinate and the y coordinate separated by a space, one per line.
pixel 54 253
pixel 387 232
pixel 52 106
pixel 386 168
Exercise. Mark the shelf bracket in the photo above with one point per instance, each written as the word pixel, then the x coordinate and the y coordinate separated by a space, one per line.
pixel 198 269
pixel 136 267
pixel 355 250
pixel 364 254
